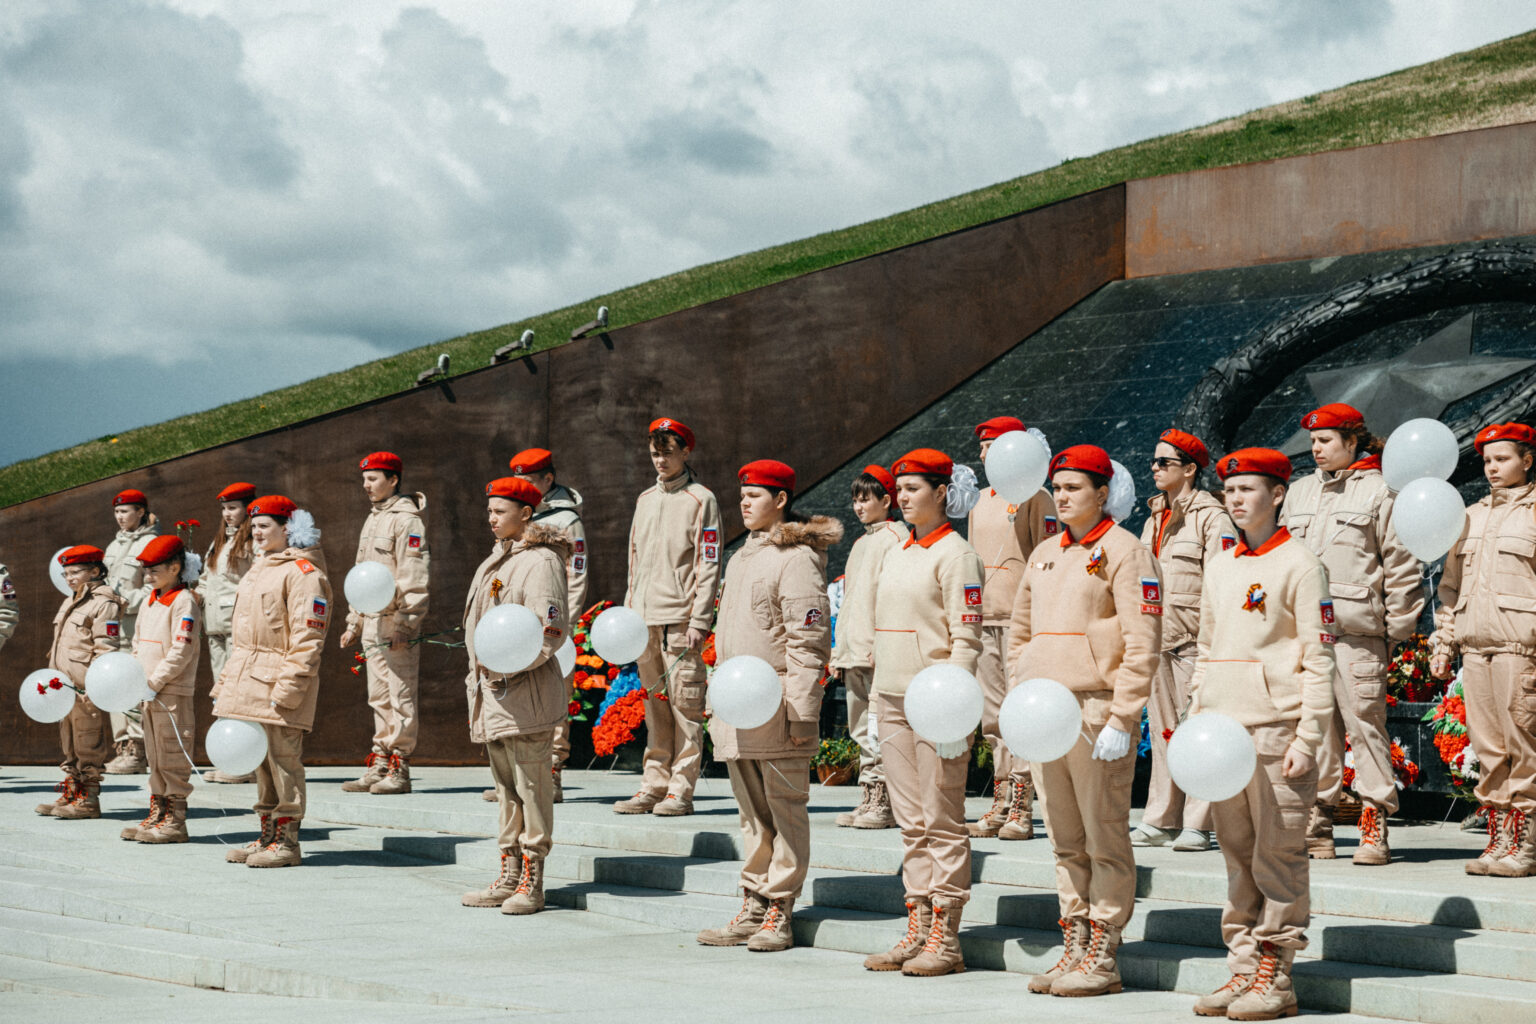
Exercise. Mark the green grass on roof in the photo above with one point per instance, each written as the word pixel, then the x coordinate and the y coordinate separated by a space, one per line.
pixel 1492 85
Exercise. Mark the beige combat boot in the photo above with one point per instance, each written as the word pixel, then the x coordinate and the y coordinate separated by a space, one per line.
pixel 224 778
pixel 845 819
pixel 1373 849
pixel 66 791
pixel 156 809
pixel 941 953
pixel 172 825
pixel 673 807
pixel 777 930
pixel 489 796
pixel 1320 833
pixel 1519 860
pixel 919 924
pixel 989 824
pixel 1074 938
pixel 375 767
pixel 640 803
pixel 741 927
pixel 283 851
pixel 240 854
pixel 1021 810
pixel 1498 844
pixel 878 814
pixel 1271 994
pixel 505 884
pixel 1215 1004
pixel 86 802
pixel 559 789
pixel 396 780
pixel 129 760
pixel 1097 973
pixel 528 898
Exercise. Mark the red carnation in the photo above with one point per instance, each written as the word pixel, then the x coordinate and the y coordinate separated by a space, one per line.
pixel 613 672
pixel 1167 735
pixel 56 683
pixel 573 708
pixel 193 523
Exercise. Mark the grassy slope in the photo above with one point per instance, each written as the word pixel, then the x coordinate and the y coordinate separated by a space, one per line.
pixel 1495 84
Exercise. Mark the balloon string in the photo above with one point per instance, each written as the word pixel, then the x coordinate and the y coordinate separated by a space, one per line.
pixel 176 730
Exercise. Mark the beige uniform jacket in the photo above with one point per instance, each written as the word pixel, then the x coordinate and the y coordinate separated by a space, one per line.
pixel 1002 534
pixel 395 536
pixel 282 612
pixel 927 609
pixel 1345 518
pixel 1089 615
pixel 10 608
pixel 217 584
pixel 87 626
pixel 1266 654
pixel 561 508
pixel 167 641
pixel 124 573
pixel 854 643
pixel 1488 592
pixel 529 572
pixel 1185 536
pixel 675 545
pixel 774 606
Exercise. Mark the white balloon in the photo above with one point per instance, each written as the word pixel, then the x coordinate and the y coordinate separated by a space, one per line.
pixel 1211 757
pixel 1040 720
pixel 115 682
pixel 56 573
pixel 619 636
pixel 44 702
pixel 744 691
pixel 1428 517
pixel 370 587
pixel 508 638
pixel 944 702
pixel 566 657
pixel 1419 448
pixel 235 746
pixel 1016 465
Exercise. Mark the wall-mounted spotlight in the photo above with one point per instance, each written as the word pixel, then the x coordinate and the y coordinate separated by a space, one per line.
pixel 504 353
pixel 437 372
pixel 597 323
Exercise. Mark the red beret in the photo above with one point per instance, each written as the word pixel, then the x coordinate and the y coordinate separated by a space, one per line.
pixel 131 497
pixel 1333 416
pixel 1189 444
pixel 1085 458
pixel 514 488
pixel 532 460
pixel 162 549
pixel 924 461
pixel 767 473
pixel 272 505
pixel 81 554
pixel 883 476
pixel 1504 432
pixel 238 492
pixel 997 426
pixel 675 426
pixel 382 460
pixel 1264 461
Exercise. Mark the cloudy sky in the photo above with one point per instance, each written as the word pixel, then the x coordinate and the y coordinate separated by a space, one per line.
pixel 201 200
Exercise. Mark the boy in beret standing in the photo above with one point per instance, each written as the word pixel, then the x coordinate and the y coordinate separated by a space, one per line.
pixel 135 528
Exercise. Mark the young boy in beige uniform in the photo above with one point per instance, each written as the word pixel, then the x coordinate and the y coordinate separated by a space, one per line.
pixel 674 568
pixel 853 650
pixel 1266 660
pixel 1002 534
pixel 774 607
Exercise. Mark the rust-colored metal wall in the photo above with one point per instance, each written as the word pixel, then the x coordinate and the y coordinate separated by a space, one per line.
pixel 1448 188
pixel 812 371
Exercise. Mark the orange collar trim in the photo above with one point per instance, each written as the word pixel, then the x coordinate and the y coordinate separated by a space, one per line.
pixel 930 540
pixel 1091 536
pixel 1279 537
pixel 169 596
pixel 1369 462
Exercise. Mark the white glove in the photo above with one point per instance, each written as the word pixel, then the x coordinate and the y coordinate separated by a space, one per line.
pixel 949 750
pixel 1112 744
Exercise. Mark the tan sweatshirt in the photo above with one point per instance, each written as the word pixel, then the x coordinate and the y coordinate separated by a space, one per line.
pixel 217 584
pixel 168 640
pixel 675 545
pixel 529 572
pixel 774 606
pixel 1271 661
pixel 87 625
pixel 1089 615
pixel 1345 518
pixel 854 644
pixel 395 535
pixel 1488 592
pixel 561 508
pixel 1185 536
pixel 124 573
pixel 1002 533
pixel 927 609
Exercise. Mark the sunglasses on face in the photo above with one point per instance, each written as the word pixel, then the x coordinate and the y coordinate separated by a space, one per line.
pixel 1164 463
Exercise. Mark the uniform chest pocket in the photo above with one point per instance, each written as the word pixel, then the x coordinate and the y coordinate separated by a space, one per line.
pixel 1347 525
pixel 1298 525
pixel 1515 577
pixel 763 610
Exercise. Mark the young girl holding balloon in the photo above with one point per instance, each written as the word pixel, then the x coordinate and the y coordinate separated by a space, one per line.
pixel 226 562
pixel 927 612
pixel 516 701
pixel 774 610
pixel 1266 661
pixel 1088 615
pixel 1487 615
